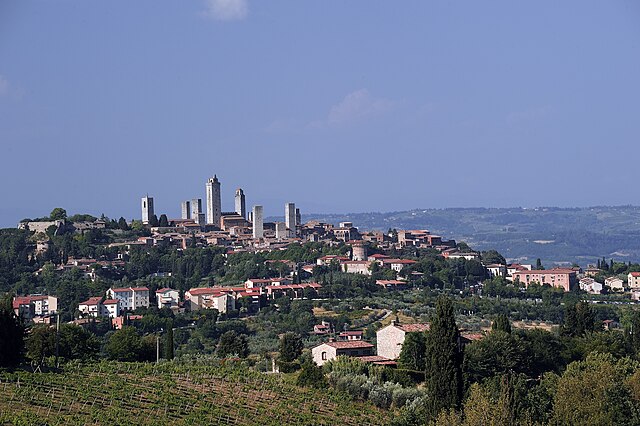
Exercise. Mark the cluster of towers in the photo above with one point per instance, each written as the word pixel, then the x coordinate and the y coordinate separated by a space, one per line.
pixel 193 210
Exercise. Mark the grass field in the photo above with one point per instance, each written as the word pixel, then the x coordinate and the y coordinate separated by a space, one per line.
pixel 145 394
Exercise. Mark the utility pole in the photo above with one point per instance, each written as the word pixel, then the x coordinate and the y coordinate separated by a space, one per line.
pixel 157 349
pixel 57 337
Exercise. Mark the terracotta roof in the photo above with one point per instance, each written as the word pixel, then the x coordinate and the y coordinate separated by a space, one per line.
pixel 110 302
pixel 412 328
pixel 379 256
pixel 374 358
pixel 353 344
pixel 635 274
pixel 401 261
pixel 164 290
pixel 91 301
pixel 203 290
pixel 351 333
pixel 545 272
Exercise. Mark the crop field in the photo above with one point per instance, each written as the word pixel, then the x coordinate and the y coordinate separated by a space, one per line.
pixel 146 394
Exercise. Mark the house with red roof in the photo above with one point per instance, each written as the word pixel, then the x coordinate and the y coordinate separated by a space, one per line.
pixel 327 351
pixel 167 298
pixel 34 305
pixel 633 280
pixel 392 284
pixel 397 264
pixel 130 298
pixel 219 298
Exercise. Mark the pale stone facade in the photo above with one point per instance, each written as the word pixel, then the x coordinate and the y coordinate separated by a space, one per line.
pixel 390 338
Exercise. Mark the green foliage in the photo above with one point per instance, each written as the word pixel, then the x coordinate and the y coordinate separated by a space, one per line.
pixel 443 360
pixel 11 339
pixel 169 344
pixel 311 375
pixel 77 343
pixel 579 319
pixel 412 354
pixel 497 353
pixel 40 343
pixel 290 347
pixel 501 323
pixel 58 214
pixel 232 344
pixel 126 345
pixel 596 391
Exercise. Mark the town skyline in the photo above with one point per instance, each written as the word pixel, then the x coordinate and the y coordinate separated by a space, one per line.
pixel 495 104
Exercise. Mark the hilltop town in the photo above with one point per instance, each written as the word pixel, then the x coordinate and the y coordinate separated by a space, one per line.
pixel 333 305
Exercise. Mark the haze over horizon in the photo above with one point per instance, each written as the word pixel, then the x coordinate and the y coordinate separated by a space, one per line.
pixel 337 106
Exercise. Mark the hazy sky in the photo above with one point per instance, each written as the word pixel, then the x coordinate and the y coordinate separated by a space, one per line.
pixel 339 106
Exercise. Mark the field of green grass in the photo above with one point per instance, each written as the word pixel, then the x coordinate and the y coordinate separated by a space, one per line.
pixel 170 393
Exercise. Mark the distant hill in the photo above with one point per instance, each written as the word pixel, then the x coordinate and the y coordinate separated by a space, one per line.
pixel 556 235
pixel 172 394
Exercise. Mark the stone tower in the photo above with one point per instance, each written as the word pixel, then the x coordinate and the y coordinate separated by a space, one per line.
pixel 241 208
pixel 290 218
pixel 258 230
pixel 147 209
pixel 214 204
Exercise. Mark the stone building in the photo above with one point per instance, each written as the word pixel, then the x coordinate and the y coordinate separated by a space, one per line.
pixel 390 338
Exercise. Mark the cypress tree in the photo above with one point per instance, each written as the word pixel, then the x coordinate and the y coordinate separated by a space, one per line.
pixel 168 346
pixel 443 360
pixel 501 323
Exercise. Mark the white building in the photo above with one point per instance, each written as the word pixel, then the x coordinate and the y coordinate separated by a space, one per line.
pixel 130 298
pixel 356 267
pixel 633 280
pixel 590 285
pixel 35 305
pixel 614 283
pixel 91 307
pixel 167 298
pixel 209 298
pixel 257 218
pixel 147 209
pixel 290 218
pixel 325 352
pixel 390 338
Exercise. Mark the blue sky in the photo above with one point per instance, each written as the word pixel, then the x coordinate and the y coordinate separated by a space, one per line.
pixel 338 106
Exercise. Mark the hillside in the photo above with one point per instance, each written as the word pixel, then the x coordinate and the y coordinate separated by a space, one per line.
pixel 556 235
pixel 146 394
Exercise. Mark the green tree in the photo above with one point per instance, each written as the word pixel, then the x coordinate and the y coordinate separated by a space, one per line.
pixel 443 360
pixel 77 343
pixel 168 345
pixel 497 353
pixel 501 323
pixel 164 221
pixel 58 214
pixel 153 220
pixel 232 344
pixel 124 345
pixel 596 392
pixel 311 376
pixel 290 347
pixel 412 355
pixel 41 343
pixel 11 338
pixel 579 319
pixel 539 266
pixel 122 224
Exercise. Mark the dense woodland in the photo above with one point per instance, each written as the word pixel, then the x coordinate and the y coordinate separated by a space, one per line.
pixel 572 372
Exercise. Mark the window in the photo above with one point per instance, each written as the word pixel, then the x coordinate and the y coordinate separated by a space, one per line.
pixel 324 356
